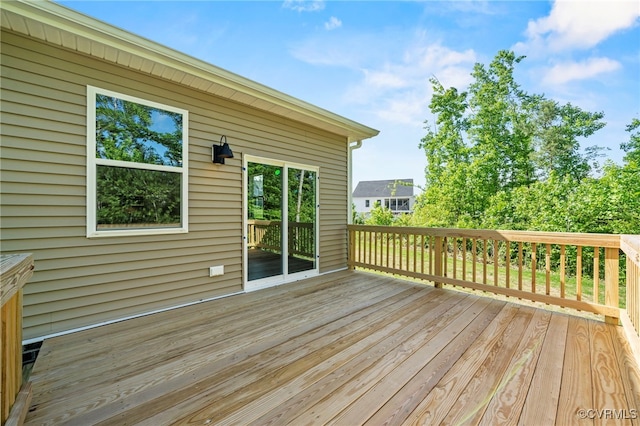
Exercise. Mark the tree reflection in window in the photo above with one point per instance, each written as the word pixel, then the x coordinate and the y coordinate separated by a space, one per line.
pixel 139 165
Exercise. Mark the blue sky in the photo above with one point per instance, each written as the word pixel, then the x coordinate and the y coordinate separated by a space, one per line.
pixel 370 61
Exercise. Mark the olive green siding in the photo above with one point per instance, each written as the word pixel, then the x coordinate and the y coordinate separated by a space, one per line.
pixel 81 282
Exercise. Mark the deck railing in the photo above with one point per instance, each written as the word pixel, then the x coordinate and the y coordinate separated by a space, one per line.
pixel 574 270
pixel 630 245
pixel 15 270
pixel 267 234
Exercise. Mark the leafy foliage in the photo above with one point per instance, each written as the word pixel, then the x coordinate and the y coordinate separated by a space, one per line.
pixel 133 196
pixel 379 215
pixel 135 133
pixel 128 131
pixel 498 157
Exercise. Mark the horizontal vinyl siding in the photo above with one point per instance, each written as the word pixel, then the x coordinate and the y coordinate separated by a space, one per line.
pixel 79 282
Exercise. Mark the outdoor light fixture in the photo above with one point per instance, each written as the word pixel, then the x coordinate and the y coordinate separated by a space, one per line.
pixel 220 152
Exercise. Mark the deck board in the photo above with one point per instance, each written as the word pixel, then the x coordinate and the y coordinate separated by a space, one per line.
pixel 308 387
pixel 576 390
pixel 508 400
pixel 544 392
pixel 343 348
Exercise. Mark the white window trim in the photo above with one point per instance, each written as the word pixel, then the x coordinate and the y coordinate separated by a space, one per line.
pixel 93 162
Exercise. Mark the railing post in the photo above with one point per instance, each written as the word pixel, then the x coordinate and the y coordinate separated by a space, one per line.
pixel 15 270
pixel 611 266
pixel 437 265
pixel 352 250
pixel 630 318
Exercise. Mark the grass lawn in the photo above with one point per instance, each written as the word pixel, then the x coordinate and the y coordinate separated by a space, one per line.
pixel 411 258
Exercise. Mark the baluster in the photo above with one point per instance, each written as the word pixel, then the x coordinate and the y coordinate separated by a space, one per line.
pixel 562 270
pixel 474 259
pixel 547 261
pixel 596 274
pixel 495 262
pixel 438 260
pixel 464 259
pixel 455 257
pixel 415 252
pixel 579 273
pixel 431 249
pixel 394 249
pixel 484 261
pixel 533 267
pixel 422 254
pixel 445 253
pixel 611 278
pixel 520 266
pixel 375 248
pixel 400 249
pixel 508 264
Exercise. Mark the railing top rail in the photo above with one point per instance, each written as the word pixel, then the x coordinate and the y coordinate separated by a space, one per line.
pixel 15 270
pixel 302 224
pixel 566 238
pixel 260 222
pixel 263 222
pixel 630 244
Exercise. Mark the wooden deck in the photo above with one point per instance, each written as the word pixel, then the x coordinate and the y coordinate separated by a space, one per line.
pixel 347 348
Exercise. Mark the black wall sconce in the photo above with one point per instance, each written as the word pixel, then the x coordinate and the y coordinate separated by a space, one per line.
pixel 220 152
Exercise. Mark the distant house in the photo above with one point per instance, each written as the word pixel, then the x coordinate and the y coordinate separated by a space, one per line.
pixel 396 195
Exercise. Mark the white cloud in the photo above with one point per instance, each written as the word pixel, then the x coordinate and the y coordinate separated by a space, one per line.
pixel 400 92
pixel 393 83
pixel 332 24
pixel 471 6
pixel 304 5
pixel 408 108
pixel 570 71
pixel 384 79
pixel 340 50
pixel 579 24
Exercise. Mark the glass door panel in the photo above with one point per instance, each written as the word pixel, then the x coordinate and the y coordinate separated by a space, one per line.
pixel 301 223
pixel 264 221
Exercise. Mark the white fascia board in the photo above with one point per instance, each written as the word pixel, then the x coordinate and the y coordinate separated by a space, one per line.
pixel 82 26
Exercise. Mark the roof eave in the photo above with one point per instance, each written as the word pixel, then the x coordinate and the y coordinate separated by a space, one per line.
pixel 54 23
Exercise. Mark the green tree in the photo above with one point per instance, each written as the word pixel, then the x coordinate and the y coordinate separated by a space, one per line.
pixel 632 148
pixel 556 131
pixel 129 132
pixel 380 216
pixel 448 157
pixel 496 148
pixel 302 195
pixel 265 191
pixel 500 127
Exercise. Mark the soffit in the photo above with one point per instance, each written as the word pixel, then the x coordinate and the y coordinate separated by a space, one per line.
pixel 56 24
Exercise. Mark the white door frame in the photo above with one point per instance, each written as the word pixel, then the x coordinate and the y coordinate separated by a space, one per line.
pixel 285 277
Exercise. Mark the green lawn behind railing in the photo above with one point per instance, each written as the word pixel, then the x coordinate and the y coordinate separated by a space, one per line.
pixel 411 258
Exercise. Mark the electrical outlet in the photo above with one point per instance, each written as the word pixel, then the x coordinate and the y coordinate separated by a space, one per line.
pixel 216 270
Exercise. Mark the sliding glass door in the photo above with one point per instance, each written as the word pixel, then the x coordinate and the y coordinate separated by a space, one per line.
pixel 301 220
pixel 264 209
pixel 281 222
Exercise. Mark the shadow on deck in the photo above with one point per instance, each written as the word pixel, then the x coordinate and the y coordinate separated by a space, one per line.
pixel 346 348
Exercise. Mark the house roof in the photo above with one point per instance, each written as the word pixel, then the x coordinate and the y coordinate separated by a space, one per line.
pixel 54 23
pixel 384 188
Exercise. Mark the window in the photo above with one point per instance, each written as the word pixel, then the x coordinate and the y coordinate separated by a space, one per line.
pixel 403 204
pixel 137 178
pixel 366 203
